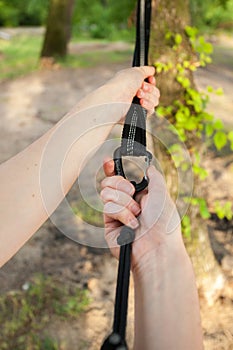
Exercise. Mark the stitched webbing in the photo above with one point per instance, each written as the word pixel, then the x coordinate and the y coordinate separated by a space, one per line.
pixel 134 144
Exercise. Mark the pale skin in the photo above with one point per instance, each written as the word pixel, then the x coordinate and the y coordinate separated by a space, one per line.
pixel 167 312
pixel 22 207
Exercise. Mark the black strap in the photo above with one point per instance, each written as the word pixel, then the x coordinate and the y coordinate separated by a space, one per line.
pixel 134 132
pixel 133 144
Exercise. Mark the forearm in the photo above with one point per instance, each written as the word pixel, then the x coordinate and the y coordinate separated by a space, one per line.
pixel 166 304
pixel 34 182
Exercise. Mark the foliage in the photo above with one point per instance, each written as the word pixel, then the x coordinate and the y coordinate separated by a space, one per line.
pixel 212 14
pixel 104 19
pixel 29 12
pixel 224 211
pixel 188 114
pixel 25 314
pixel 108 18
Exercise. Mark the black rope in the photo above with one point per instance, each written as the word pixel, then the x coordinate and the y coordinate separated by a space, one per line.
pixel 133 144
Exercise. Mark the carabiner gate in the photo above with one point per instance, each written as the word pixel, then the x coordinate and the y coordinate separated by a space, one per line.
pixel 117 156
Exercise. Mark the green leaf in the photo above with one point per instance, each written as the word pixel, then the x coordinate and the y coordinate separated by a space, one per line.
pixel 210 88
pixel 219 91
pixel 178 39
pixel 223 211
pixel 218 125
pixel 220 139
pixel 186 226
pixel 168 35
pixel 203 209
pixel 180 116
pixel 230 136
pixel 191 31
pixel 191 124
pixel 185 82
pixel 209 129
pixel 186 64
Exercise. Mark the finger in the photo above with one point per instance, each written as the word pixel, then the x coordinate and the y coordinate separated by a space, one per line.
pixel 148 87
pixel 108 166
pixel 150 99
pixel 122 214
pixel 118 183
pixel 147 71
pixel 150 92
pixel 121 198
pixel 151 80
pixel 148 105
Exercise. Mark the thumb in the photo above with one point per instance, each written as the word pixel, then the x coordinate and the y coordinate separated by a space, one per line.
pixel 161 201
pixel 157 193
pixel 108 166
pixel 156 180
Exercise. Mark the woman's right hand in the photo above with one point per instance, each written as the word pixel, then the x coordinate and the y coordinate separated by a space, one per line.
pixel 153 215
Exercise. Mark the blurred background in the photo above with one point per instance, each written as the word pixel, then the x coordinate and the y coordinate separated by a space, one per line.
pixel 57 294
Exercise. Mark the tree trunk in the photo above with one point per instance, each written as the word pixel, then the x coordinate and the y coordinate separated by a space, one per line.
pixel 173 16
pixel 58 30
pixel 169 16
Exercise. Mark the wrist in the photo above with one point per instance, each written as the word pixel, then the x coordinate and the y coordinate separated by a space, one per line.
pixel 166 256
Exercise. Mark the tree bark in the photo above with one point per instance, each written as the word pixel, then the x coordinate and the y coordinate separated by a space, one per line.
pixel 58 30
pixel 169 16
pixel 173 16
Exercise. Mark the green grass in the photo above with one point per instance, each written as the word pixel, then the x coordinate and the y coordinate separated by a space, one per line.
pixel 88 214
pixel 20 56
pixel 94 58
pixel 25 315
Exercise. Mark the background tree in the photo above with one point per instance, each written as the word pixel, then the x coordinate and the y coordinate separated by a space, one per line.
pixel 58 30
pixel 172 48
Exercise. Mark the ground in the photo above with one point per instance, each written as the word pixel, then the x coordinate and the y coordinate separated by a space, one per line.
pixel 29 106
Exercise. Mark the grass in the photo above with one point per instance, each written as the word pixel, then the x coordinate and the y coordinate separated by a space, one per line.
pixel 88 214
pixel 20 56
pixel 26 314
pixel 94 58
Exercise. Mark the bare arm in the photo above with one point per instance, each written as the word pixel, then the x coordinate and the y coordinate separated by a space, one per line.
pixel 166 302
pixel 53 162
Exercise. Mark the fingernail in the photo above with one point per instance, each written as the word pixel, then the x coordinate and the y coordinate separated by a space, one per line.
pixel 134 223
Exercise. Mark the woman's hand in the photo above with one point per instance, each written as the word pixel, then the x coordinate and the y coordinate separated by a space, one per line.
pixel 131 82
pixel 153 216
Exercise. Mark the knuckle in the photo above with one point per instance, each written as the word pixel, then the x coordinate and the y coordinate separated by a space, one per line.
pixel 108 208
pixel 104 193
pixel 112 209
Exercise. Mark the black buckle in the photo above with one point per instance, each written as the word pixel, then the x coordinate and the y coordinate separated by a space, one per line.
pixel 117 156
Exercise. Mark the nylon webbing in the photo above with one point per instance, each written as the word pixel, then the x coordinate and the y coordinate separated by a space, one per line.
pixel 134 131
pixel 133 144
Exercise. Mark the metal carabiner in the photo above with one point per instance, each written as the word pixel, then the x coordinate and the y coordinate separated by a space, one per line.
pixel 117 157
